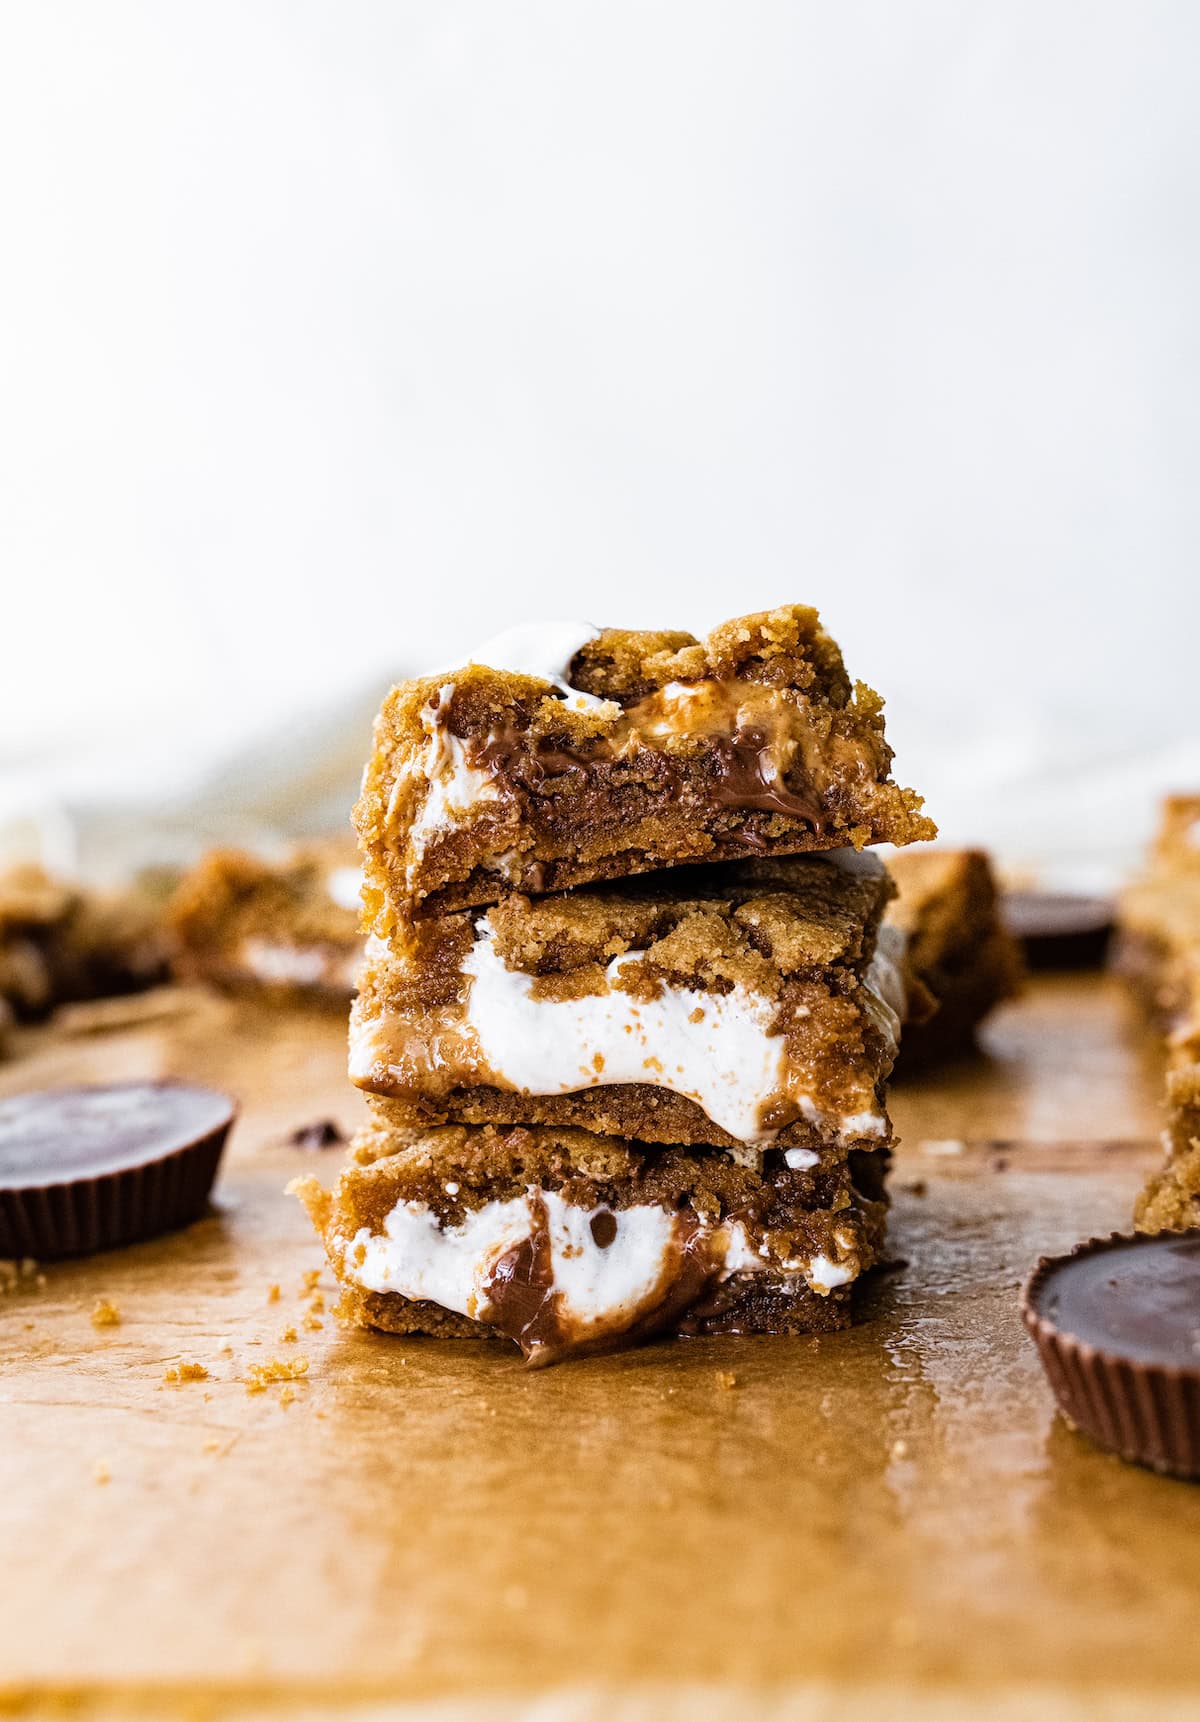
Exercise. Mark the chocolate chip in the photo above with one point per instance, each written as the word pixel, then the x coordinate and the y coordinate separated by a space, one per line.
pixel 604 1229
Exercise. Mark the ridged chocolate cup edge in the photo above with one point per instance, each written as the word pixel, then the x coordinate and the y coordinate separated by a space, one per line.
pixel 81 1216
pixel 1147 1413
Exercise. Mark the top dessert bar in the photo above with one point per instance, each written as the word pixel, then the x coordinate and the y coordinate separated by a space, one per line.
pixel 569 756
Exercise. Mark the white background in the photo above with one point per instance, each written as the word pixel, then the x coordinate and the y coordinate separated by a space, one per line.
pixel 334 336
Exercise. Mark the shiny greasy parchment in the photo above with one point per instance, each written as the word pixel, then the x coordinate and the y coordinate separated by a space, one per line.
pixel 888 1522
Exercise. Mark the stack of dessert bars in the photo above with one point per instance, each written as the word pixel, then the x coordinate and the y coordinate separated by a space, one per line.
pixel 626 1015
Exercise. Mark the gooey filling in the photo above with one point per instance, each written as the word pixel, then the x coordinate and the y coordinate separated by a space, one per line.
pixel 558 1278
pixel 724 1051
pixel 750 729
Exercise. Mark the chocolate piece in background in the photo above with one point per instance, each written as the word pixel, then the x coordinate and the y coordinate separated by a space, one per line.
pixel 1059 929
pixel 1117 1325
pixel 86 1169
pixel 321 1133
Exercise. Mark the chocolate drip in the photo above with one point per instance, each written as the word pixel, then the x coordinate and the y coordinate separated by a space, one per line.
pixel 520 1290
pixel 747 777
pixel 524 1305
pixel 744 774
pixel 532 761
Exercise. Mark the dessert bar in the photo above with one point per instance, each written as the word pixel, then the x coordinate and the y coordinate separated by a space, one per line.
pixel 567 1242
pixel 568 755
pixel 1170 1201
pixel 61 943
pixel 947 907
pixel 739 1006
pixel 288 927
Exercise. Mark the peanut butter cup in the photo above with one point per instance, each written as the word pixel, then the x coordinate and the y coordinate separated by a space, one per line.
pixel 1117 1325
pixel 87 1169
pixel 1059 929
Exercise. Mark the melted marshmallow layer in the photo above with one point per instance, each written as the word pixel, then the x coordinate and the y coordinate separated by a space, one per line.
pixel 724 1051
pixel 717 1049
pixel 721 1050
pixel 278 964
pixel 604 1268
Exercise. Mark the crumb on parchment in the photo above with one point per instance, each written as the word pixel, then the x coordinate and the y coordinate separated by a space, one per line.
pixel 105 1313
pixel 181 1372
pixel 260 1376
pixel 101 1471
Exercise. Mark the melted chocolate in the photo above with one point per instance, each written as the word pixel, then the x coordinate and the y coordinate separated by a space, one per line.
pixel 530 762
pixel 520 1290
pixel 743 775
pixel 526 1307
pixel 746 777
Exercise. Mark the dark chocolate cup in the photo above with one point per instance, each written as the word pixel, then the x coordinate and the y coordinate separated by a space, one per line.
pixel 1147 1413
pixel 1059 929
pixel 82 1213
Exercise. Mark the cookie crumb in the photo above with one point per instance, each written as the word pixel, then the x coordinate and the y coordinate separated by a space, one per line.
pixel 288 1336
pixel 181 1372
pixel 260 1376
pixel 101 1471
pixel 212 1445
pixel 726 1379
pixel 287 1395
pixel 105 1313
pixel 310 1281
pixel 274 1294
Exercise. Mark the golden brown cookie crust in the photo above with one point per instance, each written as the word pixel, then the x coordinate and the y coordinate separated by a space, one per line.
pixel 570 797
